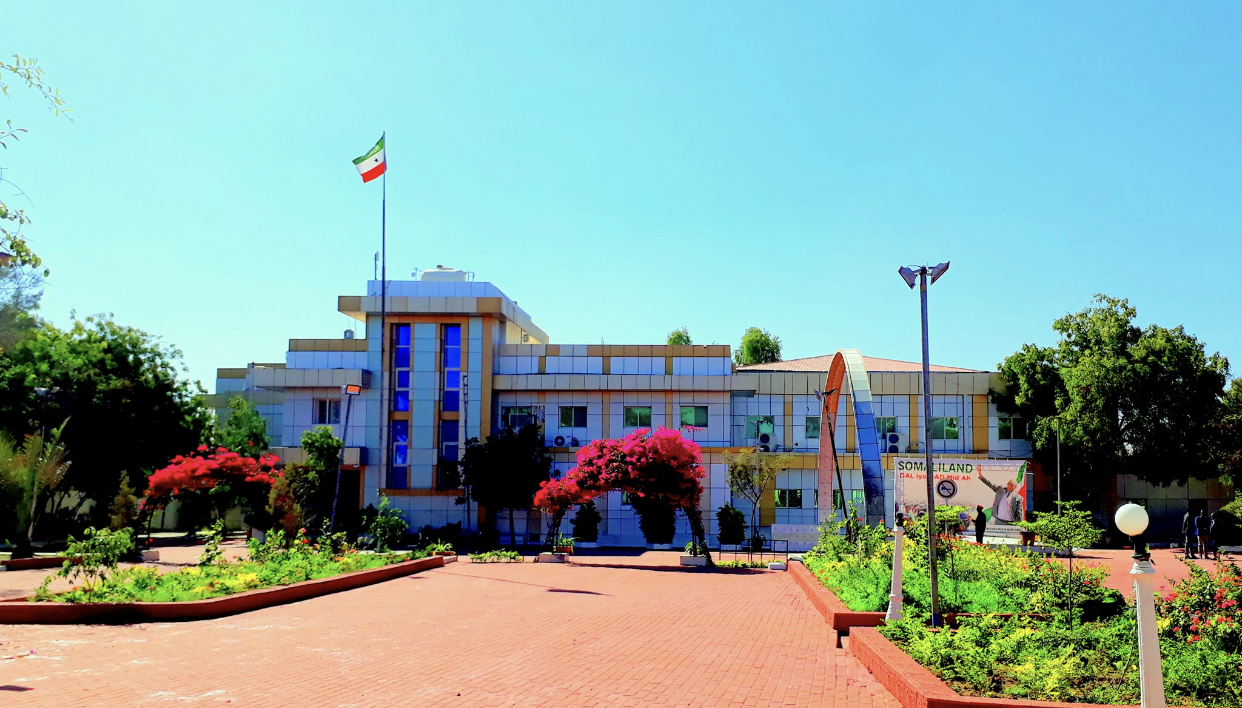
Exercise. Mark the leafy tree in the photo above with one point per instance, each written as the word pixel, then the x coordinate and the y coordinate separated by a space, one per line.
pixel 505 472
pixel 681 335
pixel 29 72
pixel 731 523
pixel 28 474
pixel 124 509
pixel 20 292
pixel 758 347
pixel 1144 401
pixel 302 496
pixel 121 392
pixel 388 525
pixel 244 430
pixel 751 474
pixel 1066 529
pixel 1229 434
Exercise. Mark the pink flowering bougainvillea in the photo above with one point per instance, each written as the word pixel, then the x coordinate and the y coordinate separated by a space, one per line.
pixel 662 465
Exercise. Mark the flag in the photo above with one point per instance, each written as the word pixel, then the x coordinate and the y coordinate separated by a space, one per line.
pixel 372 164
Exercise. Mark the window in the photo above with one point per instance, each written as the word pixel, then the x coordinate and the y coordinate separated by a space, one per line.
pixel 789 499
pixel 638 416
pixel 627 498
pixel 449 437
pixel 327 411
pixel 517 416
pixel 398 477
pixel 856 498
pixel 397 471
pixel 812 427
pixel 573 416
pixel 1011 428
pixel 886 424
pixel 944 428
pixel 401 365
pixel 694 416
pixel 756 425
pixel 450 400
pixel 815 499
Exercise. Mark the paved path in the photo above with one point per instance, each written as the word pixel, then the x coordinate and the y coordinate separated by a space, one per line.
pixel 608 632
pixel 1169 566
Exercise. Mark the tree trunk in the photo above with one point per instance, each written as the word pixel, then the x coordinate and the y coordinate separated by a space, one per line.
pixel 697 532
pixel 554 529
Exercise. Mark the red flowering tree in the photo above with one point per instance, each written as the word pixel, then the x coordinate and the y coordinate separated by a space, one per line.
pixel 213 481
pixel 661 467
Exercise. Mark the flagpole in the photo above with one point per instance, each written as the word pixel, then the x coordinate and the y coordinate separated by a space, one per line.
pixel 383 471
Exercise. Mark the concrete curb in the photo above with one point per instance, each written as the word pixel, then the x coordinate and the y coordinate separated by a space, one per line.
pixel 840 617
pixel 21 611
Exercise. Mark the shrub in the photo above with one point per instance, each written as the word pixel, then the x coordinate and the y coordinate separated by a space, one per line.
pixel 732 524
pixel 586 523
pixel 742 564
pixel 496 557
pixel 656 519
pixel 100 550
pixel 388 525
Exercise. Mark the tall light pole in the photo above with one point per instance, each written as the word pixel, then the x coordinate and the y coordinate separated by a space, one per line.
pixel 349 391
pixel 1132 520
pixel 912 275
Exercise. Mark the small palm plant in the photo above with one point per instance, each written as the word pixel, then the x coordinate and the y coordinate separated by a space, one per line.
pixel 27 471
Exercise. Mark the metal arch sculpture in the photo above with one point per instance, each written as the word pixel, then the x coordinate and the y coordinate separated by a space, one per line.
pixel 849 362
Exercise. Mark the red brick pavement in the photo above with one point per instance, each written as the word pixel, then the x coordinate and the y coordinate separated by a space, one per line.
pixel 1168 563
pixel 468 635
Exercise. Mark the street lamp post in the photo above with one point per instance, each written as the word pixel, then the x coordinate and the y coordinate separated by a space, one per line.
pixel 894 592
pixel 912 275
pixel 1132 521
pixel 349 390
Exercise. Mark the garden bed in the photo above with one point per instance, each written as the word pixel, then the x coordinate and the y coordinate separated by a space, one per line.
pixel 23 611
pixel 36 563
pixel 914 686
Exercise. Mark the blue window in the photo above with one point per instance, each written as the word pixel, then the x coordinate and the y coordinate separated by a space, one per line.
pixel 401 360
pixel 401 401
pixel 452 401
pixel 452 379
pixel 452 336
pixel 403 379
pixel 398 477
pixel 402 335
pixel 450 394
pixel 401 431
pixel 400 454
pixel 448 431
pixel 452 358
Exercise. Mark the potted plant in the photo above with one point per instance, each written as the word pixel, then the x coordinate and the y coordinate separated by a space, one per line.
pixel 440 548
pixel 563 545
pixel 696 554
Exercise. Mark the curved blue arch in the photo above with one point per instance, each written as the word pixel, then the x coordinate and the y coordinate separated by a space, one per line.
pixel 849 363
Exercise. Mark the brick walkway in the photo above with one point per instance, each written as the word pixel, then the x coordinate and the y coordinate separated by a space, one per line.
pixel 468 635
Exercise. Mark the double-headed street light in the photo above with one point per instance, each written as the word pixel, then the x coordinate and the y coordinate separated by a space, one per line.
pixel 912 275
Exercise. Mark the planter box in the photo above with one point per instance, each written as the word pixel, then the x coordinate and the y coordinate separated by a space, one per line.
pixel 563 550
pixel 150 556
pixel 551 558
pixel 21 611
pixel 840 617
pixel 38 562
pixel 694 560
pixel 914 686
pixel 446 554
pixel 774 565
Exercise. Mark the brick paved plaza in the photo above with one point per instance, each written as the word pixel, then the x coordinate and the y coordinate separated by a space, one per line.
pixel 609 631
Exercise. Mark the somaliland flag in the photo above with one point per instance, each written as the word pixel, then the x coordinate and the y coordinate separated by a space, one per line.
pixel 372 164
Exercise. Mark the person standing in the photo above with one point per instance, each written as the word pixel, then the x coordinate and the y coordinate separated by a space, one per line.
pixel 1007 505
pixel 1188 533
pixel 981 524
pixel 1203 527
pixel 1212 537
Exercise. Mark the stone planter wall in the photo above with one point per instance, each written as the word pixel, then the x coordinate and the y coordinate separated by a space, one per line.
pixel 840 617
pixel 21 611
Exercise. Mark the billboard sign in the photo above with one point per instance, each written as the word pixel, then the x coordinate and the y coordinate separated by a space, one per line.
pixel 1001 487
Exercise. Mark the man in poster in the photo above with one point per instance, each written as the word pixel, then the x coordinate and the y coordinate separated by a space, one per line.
pixel 1007 505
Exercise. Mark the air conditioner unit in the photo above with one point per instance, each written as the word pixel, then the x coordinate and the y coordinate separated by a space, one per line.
pixel 894 443
pixel 766 441
pixel 559 441
pixel 573 442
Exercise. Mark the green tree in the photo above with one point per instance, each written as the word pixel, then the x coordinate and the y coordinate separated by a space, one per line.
pixel 1065 529
pixel 505 472
pixel 758 347
pixel 1144 401
pixel 681 335
pixel 243 431
pixel 28 72
pixel 121 392
pixel 751 474
pixel 20 291
pixel 302 496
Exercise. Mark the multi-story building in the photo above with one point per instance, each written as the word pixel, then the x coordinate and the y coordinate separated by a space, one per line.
pixel 460 360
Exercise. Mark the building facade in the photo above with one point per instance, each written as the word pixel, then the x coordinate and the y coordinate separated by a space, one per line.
pixel 460 360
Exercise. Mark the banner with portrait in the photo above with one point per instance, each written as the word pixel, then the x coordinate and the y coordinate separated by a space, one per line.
pixel 1001 487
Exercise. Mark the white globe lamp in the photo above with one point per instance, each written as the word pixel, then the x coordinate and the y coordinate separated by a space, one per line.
pixel 1132 519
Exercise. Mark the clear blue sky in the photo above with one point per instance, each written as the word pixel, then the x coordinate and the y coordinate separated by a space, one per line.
pixel 622 169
